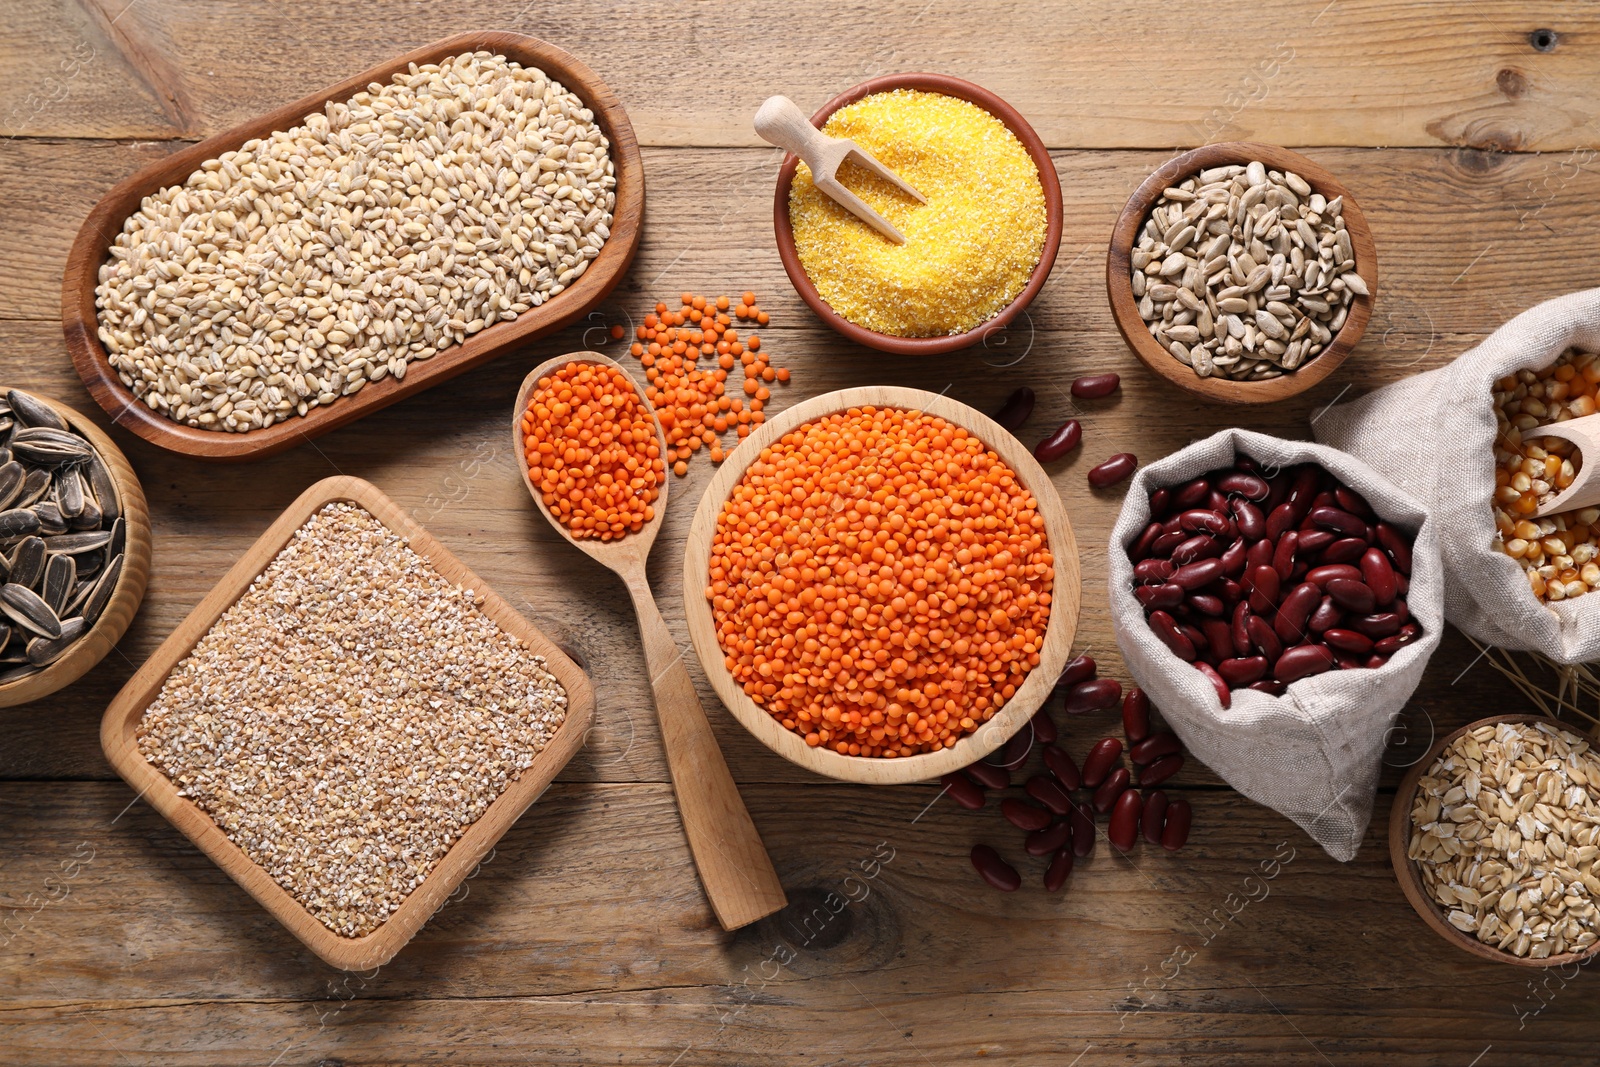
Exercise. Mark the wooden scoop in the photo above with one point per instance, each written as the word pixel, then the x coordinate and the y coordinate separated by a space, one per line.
pixel 1584 492
pixel 734 867
pixel 780 122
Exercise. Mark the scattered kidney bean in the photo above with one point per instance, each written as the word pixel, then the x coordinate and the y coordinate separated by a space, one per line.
pixel 988 775
pixel 1095 386
pixel 1055 876
pixel 1106 794
pixel 1176 831
pixel 1083 833
pixel 996 871
pixel 1154 816
pixel 1063 768
pixel 1113 470
pixel 1024 816
pixel 1067 436
pixel 1160 770
pixel 1152 748
pixel 1044 727
pixel 1043 842
pixel 1135 715
pixel 1093 695
pixel 1125 817
pixel 1016 750
pixel 1015 411
pixel 1046 791
pixel 963 791
pixel 1097 764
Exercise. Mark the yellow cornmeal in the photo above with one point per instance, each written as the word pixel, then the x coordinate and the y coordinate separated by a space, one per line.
pixel 969 249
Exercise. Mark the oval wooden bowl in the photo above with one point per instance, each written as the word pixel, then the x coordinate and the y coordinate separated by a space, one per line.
pixel 1405 871
pixel 90 250
pixel 1125 309
pixel 92 647
pixel 1065 593
pixel 924 346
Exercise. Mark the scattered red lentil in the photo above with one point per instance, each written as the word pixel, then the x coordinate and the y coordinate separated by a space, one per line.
pixel 880 582
pixel 591 448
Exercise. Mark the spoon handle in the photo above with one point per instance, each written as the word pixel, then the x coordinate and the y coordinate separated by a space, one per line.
pixel 734 866
pixel 780 122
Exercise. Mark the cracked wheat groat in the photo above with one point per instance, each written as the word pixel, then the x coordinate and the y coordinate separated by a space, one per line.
pixel 349 717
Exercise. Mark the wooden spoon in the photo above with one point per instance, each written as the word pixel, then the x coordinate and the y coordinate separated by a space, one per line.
pixel 734 866
pixel 781 122
pixel 1584 492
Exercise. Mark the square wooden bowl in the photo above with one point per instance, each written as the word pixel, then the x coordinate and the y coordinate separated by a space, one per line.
pixel 91 248
pixel 117 737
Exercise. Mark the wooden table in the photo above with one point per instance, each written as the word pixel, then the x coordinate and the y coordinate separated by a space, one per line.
pixel 1469 141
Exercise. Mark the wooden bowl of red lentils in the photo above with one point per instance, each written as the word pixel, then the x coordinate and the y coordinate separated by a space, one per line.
pixel 882 585
pixel 976 254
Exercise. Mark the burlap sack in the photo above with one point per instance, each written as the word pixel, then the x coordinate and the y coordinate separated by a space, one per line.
pixel 1314 753
pixel 1433 435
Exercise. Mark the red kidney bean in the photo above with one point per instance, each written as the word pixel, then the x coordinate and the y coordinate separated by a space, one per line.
pixel 1093 695
pixel 1198 521
pixel 1232 592
pixel 1125 813
pixel 1097 764
pixel 1016 750
pixel 1191 493
pixel 1270 686
pixel 1303 492
pixel 1160 500
pixel 1024 816
pixel 1015 411
pixel 1314 541
pixel 1168 540
pixel 1224 694
pixel 1153 816
pixel 1376 626
pixel 1390 540
pixel 1048 792
pixel 1353 502
pixel 1290 623
pixel 1219 637
pixel 1176 831
pixel 994 870
pixel 1240 631
pixel 1166 628
pixel 1078 669
pixel 1280 520
pixel 1259 554
pixel 1196 548
pixel 1261 586
pixel 1324 499
pixel 1348 641
pixel 1083 831
pixel 1055 875
pixel 1323 575
pixel 1140 549
pixel 1052 837
pixel 1345 661
pixel 1252 524
pixel 1379 576
pixel 1113 470
pixel 1351 596
pixel 1153 571
pixel 989 775
pixel 1241 672
pixel 1375 661
pixel 1192 576
pixel 1152 748
pixel 1302 661
pixel 1162 597
pixel 1107 792
pixel 1264 638
pixel 1326 617
pixel 1135 715
pixel 1277 491
pixel 1095 386
pixel 1283 555
pixel 1216 502
pixel 1063 768
pixel 1044 727
pixel 1338 521
pixel 1067 436
pixel 1388 646
pixel 1195 635
pixel 1160 770
pixel 1243 483
pixel 1233 559
pixel 962 791
pixel 1344 550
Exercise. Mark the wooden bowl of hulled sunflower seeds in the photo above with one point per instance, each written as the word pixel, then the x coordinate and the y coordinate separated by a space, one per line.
pixel 74 545
pixel 1242 272
pixel 1512 873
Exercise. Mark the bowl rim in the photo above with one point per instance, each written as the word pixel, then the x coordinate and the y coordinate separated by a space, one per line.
pixel 946 85
pixel 1125 309
pixel 86 653
pixel 1405 870
pixel 1066 593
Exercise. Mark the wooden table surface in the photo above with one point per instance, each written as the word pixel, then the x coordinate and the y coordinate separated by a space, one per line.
pixel 1469 142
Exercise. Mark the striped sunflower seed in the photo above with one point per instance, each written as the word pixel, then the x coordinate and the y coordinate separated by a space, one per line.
pixel 29 610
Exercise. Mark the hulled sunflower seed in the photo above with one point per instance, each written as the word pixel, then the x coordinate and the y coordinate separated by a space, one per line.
pixel 29 610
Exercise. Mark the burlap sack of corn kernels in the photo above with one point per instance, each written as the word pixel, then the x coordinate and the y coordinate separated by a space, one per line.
pixel 1313 754
pixel 1434 434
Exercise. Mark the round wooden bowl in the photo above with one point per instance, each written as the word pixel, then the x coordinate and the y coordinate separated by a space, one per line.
pixel 1406 873
pixel 1125 309
pixel 924 346
pixel 1065 593
pixel 129 592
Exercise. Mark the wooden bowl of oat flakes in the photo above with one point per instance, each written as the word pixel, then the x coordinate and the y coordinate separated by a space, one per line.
pixel 1511 873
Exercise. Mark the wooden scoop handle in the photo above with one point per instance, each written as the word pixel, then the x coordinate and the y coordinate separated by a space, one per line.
pixel 734 866
pixel 780 122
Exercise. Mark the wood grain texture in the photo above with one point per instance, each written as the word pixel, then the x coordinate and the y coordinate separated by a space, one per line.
pixel 733 864
pixel 119 736
pixel 1066 593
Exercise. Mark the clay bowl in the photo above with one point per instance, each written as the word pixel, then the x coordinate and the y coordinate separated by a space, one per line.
pixel 923 346
pixel 92 647
pixel 1405 871
pixel 1125 308
pixel 1011 717
pixel 91 248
